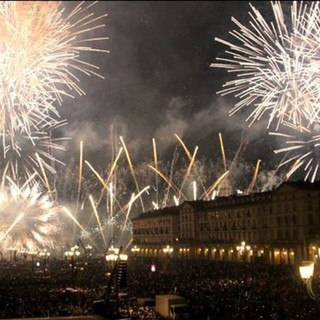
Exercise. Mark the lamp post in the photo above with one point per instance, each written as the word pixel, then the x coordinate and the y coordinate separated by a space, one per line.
pixel 118 262
pixel 71 255
pixel 112 255
pixel 32 254
pixel 88 251
pixel 306 272
pixel 135 250
pixel 168 251
pixel 243 250
pixel 44 255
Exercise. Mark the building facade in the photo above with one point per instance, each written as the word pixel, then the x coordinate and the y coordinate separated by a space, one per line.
pixel 279 226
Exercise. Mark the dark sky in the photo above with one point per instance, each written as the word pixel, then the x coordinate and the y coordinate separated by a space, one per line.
pixel 158 81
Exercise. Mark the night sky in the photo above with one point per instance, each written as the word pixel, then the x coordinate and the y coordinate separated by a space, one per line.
pixel 158 82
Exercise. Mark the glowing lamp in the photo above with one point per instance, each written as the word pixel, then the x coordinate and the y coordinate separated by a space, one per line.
pixel 306 270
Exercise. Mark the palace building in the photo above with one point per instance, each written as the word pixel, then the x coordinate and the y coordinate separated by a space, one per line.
pixel 279 226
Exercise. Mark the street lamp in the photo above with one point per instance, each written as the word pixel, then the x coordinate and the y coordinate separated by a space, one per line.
pixel 33 254
pixel 167 250
pixel 118 261
pixel 71 255
pixel 112 255
pixel 243 249
pixel 44 255
pixel 306 272
pixel 88 251
pixel 135 250
pixel 76 251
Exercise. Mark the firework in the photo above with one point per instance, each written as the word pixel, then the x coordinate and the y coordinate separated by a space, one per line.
pixel 107 199
pixel 40 61
pixel 276 66
pixel 29 220
pixel 27 154
pixel 302 151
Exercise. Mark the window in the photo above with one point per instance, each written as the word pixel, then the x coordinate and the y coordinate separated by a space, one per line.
pixel 310 219
pixel 294 220
pixel 295 234
pixel 286 220
pixel 287 235
pixel 279 221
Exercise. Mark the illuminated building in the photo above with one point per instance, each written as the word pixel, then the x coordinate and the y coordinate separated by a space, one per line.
pixel 279 226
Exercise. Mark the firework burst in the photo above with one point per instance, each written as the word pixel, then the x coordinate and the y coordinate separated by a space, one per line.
pixel 29 220
pixel 25 154
pixel 277 66
pixel 40 59
pixel 301 153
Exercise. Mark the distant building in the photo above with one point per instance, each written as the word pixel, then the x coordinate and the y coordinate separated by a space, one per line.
pixel 279 226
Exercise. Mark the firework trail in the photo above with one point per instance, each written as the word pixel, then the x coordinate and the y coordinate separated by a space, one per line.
pixel 223 152
pixel 254 178
pixel 276 66
pixel 188 172
pixel 41 58
pixel 155 165
pixel 131 168
pixel 111 198
pixel 212 189
pixel 108 220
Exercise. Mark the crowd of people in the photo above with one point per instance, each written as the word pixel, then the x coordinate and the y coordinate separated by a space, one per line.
pixel 231 290
pixel 212 289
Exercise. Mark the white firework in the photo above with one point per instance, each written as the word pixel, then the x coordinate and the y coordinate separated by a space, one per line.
pixel 29 220
pixel 41 56
pixel 302 153
pixel 276 66
pixel 27 154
